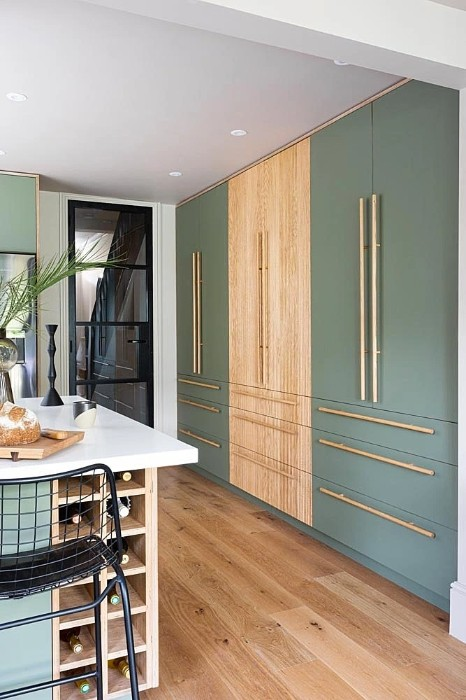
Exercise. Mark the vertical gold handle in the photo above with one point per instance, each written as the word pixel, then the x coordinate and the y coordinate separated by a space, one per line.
pixel 260 291
pixel 362 299
pixel 374 329
pixel 265 305
pixel 194 263
pixel 199 311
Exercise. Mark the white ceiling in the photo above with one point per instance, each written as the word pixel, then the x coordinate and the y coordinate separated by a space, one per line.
pixel 117 100
pixel 458 4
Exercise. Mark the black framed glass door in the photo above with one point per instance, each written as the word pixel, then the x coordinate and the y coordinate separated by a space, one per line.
pixel 111 353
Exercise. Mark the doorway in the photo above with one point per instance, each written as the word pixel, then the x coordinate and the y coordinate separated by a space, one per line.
pixel 111 309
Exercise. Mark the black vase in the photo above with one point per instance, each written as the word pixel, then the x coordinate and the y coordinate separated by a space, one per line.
pixel 52 397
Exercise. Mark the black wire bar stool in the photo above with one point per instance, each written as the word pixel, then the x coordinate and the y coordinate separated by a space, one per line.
pixel 56 530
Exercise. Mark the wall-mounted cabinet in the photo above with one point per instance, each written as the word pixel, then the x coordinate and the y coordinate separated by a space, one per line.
pixel 18 212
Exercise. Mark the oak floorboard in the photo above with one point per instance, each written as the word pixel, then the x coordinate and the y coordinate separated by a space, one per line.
pixel 231 573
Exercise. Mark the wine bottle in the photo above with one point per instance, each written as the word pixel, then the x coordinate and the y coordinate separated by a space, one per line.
pixel 71 513
pixel 114 597
pixel 124 546
pixel 84 686
pixel 123 476
pixel 121 665
pixel 71 637
pixel 123 505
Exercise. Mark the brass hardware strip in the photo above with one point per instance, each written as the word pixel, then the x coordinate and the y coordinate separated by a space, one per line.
pixel 194 313
pixel 265 425
pixel 263 398
pixel 362 300
pixel 212 409
pixel 203 384
pixel 198 437
pixel 381 421
pixel 379 513
pixel 374 329
pixel 261 464
pixel 379 458
pixel 199 311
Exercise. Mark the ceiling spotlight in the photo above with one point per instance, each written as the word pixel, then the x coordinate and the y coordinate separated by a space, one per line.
pixel 338 62
pixel 2 153
pixel 238 132
pixel 175 173
pixel 16 97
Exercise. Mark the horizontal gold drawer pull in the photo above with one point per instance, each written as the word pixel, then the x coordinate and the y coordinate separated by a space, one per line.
pixel 381 421
pixel 265 466
pixel 212 409
pixel 198 437
pixel 263 424
pixel 379 458
pixel 206 386
pixel 379 513
pixel 263 398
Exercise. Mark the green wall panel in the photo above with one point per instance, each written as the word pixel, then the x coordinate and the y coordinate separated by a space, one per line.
pixel 18 223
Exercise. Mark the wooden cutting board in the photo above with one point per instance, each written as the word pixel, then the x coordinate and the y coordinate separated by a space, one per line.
pixel 43 447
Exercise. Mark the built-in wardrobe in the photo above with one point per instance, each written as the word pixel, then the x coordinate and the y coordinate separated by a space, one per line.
pixel 317 334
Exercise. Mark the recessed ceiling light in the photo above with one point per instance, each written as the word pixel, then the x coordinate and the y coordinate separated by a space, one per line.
pixel 175 173
pixel 16 96
pixel 2 153
pixel 238 132
pixel 338 62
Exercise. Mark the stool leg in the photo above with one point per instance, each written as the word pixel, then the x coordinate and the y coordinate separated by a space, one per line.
pixel 98 641
pixel 129 632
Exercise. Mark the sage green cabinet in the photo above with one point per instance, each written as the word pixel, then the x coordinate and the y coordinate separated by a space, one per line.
pixel 18 213
pixel 202 291
pixel 404 150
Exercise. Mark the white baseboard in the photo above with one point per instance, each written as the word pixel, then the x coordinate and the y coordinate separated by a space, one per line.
pixel 458 611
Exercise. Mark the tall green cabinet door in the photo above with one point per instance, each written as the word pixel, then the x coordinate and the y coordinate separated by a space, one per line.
pixel 415 177
pixel 341 174
pixel 213 232
pixel 18 213
pixel 187 243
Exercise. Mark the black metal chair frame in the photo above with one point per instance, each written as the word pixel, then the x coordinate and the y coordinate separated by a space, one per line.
pixel 74 552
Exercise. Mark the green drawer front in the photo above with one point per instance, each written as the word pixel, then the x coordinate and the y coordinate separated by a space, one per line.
pixel 205 389
pixel 430 562
pixel 430 496
pixel 213 451
pixel 441 444
pixel 210 417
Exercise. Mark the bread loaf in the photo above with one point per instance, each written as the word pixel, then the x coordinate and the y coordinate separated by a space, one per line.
pixel 18 426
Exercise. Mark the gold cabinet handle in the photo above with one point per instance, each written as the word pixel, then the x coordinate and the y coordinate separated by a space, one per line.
pixel 379 458
pixel 263 465
pixel 263 424
pixel 374 300
pixel 198 437
pixel 378 513
pixel 195 346
pixel 260 293
pixel 202 384
pixel 265 305
pixel 362 298
pixel 380 421
pixel 212 409
pixel 199 311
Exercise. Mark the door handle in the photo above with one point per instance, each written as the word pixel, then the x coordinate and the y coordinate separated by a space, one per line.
pixel 136 341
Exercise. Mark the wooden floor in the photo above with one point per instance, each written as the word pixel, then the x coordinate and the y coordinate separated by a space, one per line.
pixel 252 609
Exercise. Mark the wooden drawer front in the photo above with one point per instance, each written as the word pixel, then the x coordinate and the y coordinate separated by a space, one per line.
pixel 205 389
pixel 286 442
pixel 418 485
pixel 430 438
pixel 429 561
pixel 213 451
pixel 203 415
pixel 276 404
pixel 278 484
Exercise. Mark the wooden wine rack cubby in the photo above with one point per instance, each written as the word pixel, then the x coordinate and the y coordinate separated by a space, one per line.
pixel 140 530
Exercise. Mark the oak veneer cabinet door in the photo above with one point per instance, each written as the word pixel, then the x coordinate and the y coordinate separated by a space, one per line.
pixel 269 260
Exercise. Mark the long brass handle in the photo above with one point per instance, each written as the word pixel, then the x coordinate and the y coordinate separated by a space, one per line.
pixel 362 299
pixel 379 513
pixel 199 311
pixel 263 398
pixel 262 464
pixel 202 384
pixel 212 409
pixel 265 305
pixel 379 458
pixel 374 301
pixel 194 264
pixel 263 424
pixel 380 421
pixel 260 293
pixel 198 437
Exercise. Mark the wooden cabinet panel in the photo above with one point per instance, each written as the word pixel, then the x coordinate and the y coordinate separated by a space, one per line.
pixel 278 484
pixel 276 404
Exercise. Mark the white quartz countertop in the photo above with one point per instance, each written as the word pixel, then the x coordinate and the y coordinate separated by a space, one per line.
pixel 115 440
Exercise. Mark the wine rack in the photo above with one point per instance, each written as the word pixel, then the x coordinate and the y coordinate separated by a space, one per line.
pixel 139 529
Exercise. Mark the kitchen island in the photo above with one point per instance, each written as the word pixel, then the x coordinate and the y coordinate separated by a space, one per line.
pixel 32 653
